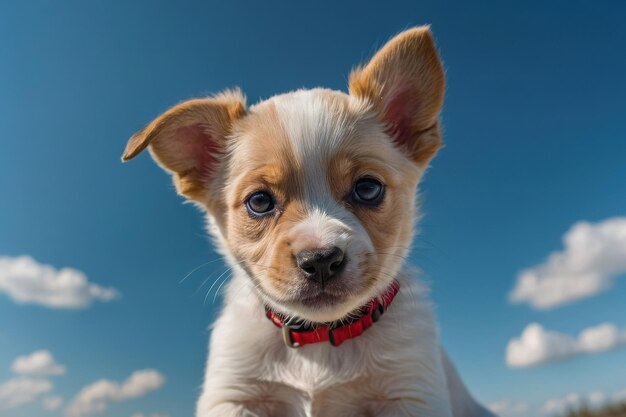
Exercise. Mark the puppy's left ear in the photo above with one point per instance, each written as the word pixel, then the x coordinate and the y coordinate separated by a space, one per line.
pixel 405 82
pixel 190 140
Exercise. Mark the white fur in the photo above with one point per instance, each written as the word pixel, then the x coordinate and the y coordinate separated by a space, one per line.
pixel 396 368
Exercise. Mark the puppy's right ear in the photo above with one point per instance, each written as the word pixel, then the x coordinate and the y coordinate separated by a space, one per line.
pixel 189 141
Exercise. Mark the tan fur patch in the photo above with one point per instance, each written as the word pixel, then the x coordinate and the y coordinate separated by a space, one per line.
pixel 188 140
pixel 262 161
pixel 388 225
pixel 405 80
pixel 263 158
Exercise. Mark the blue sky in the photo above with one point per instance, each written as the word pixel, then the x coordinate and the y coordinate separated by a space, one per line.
pixel 535 142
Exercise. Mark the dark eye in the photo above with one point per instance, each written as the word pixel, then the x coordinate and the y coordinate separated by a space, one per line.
pixel 368 191
pixel 260 203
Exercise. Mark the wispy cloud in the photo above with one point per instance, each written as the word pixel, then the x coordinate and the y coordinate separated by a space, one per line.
pixel 619 396
pixel 33 383
pixel 149 415
pixel 26 281
pixel 96 397
pixel 593 255
pixel 30 383
pixel 537 345
pixel 574 400
pixel 39 363
pixel 52 403
pixel 557 406
pixel 508 408
pixel 21 390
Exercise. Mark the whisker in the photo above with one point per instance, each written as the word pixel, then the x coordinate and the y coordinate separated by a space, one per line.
pixel 213 285
pixel 204 282
pixel 220 287
pixel 196 268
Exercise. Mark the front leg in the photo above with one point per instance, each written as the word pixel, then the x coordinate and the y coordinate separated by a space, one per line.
pixel 244 346
pixel 250 399
pixel 233 386
pixel 380 397
pixel 405 407
pixel 233 409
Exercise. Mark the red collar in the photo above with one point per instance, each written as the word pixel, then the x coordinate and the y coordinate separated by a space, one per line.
pixel 296 335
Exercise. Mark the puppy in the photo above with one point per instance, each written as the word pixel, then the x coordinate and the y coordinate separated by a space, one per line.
pixel 310 197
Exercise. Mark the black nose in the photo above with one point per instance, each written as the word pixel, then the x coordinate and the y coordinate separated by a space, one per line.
pixel 321 265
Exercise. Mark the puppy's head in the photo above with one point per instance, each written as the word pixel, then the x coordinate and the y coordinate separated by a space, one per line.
pixel 312 192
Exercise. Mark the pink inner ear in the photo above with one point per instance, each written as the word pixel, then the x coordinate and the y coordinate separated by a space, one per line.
pixel 197 143
pixel 400 111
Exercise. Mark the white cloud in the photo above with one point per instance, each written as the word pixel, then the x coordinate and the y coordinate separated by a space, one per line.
pixel 150 415
pixel 39 363
pixel 593 255
pixel 596 398
pixel 21 390
pixel 619 396
pixel 52 403
pixel 558 406
pixel 573 400
pixel 28 282
pixel 507 408
pixel 537 345
pixel 96 397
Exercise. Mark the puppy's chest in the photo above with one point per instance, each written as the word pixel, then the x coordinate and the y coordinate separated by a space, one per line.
pixel 318 367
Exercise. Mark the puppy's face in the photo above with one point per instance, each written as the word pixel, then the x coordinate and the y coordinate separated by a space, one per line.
pixel 319 202
pixel 312 192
